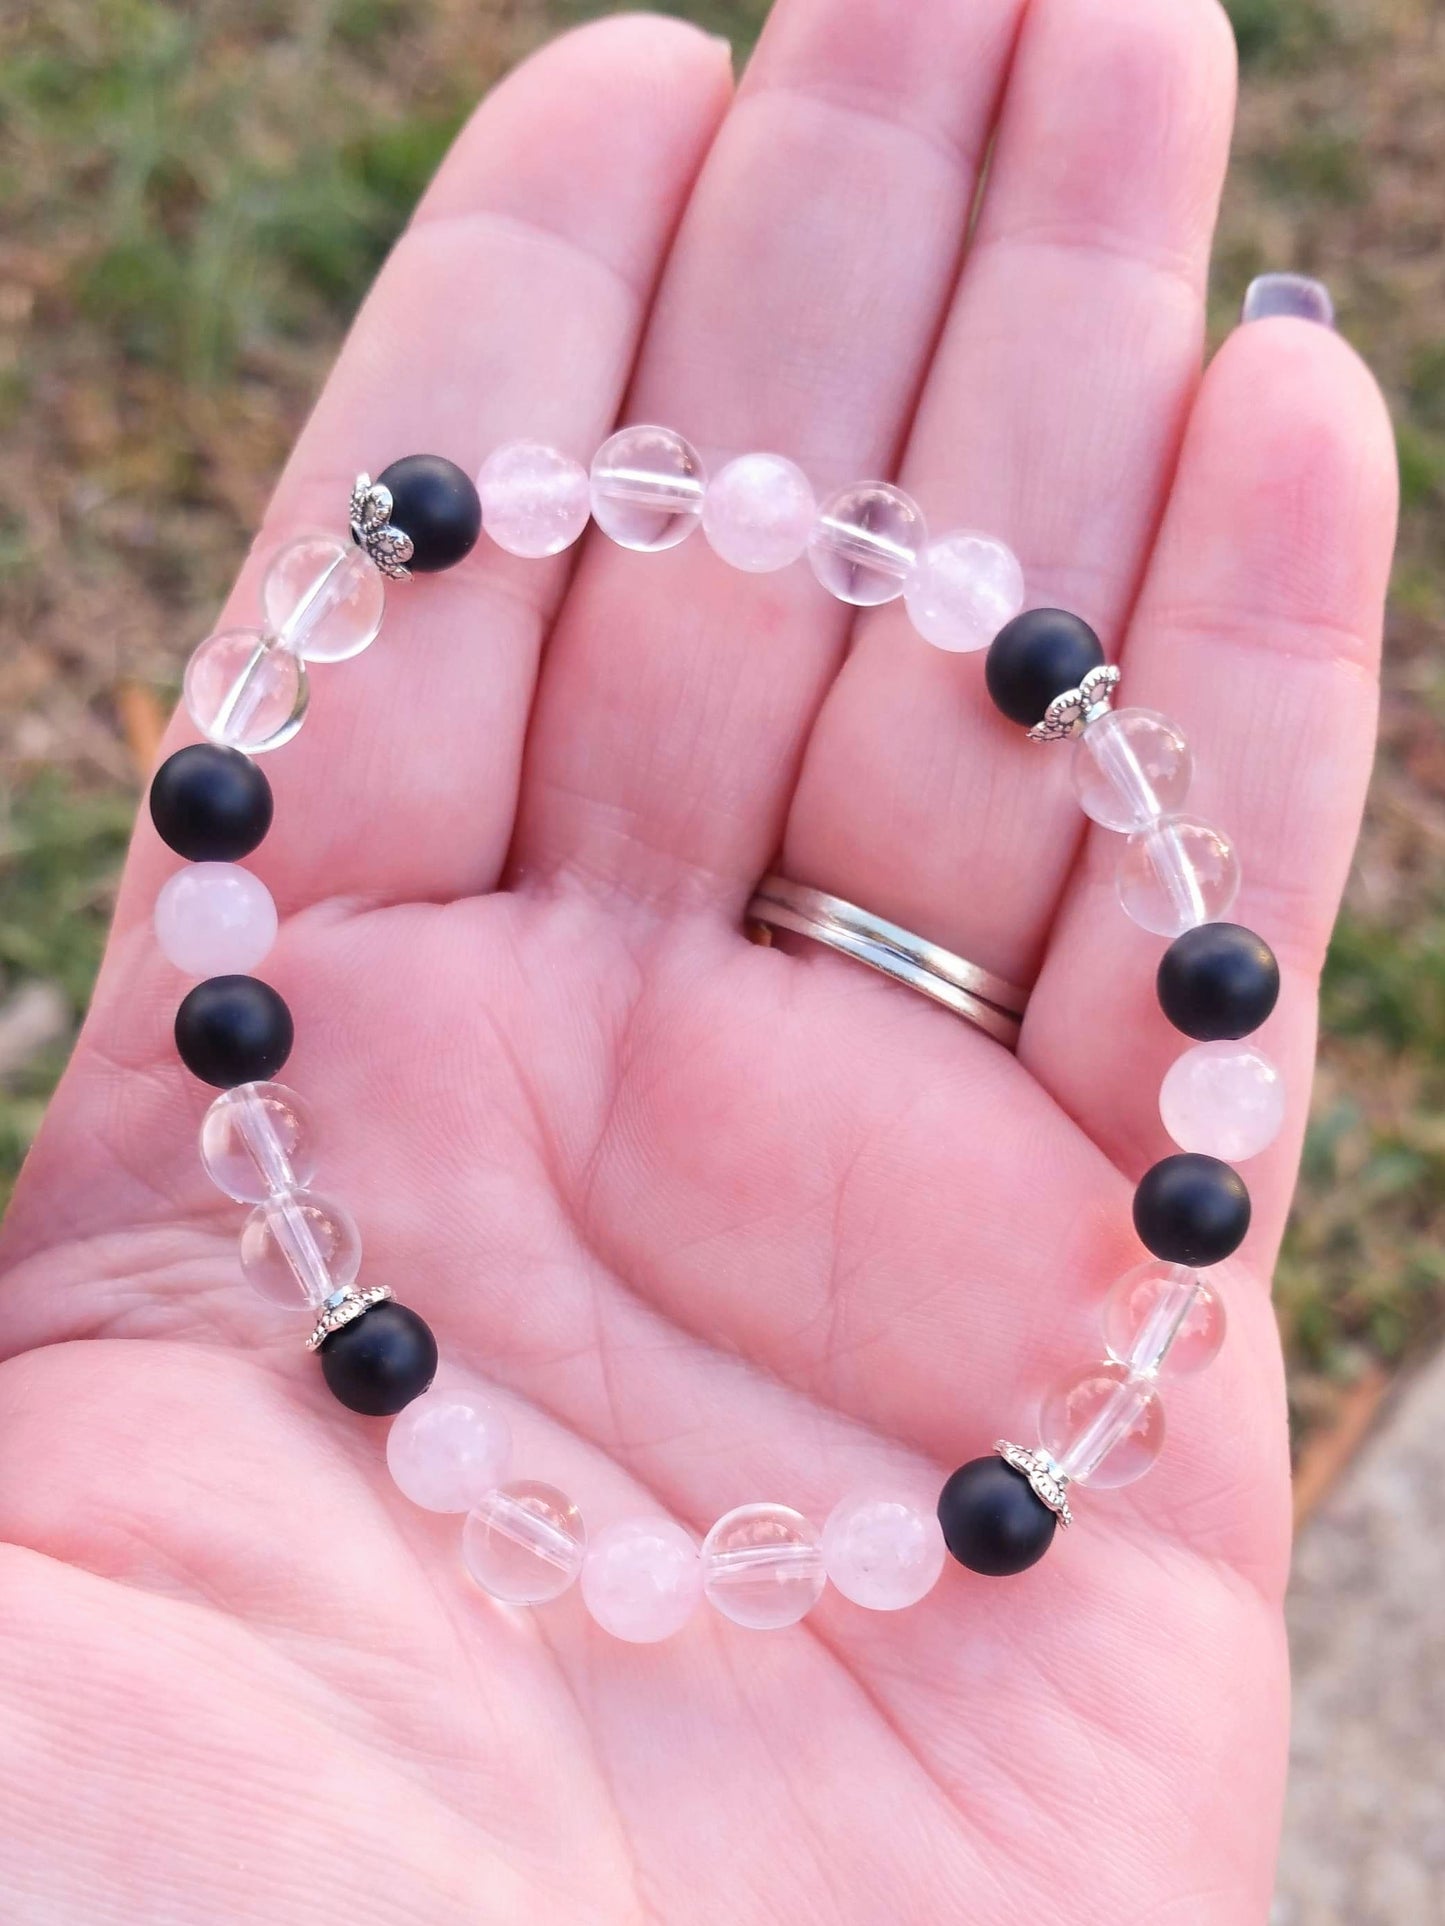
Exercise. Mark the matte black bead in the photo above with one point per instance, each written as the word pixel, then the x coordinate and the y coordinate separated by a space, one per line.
pixel 1217 981
pixel 993 1520
pixel 1041 654
pixel 380 1361
pixel 437 504
pixel 233 1029
pixel 211 805
pixel 1191 1209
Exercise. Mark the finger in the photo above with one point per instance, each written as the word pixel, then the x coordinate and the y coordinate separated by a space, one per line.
pixel 797 314
pixel 511 306
pixel 1258 632
pixel 1051 418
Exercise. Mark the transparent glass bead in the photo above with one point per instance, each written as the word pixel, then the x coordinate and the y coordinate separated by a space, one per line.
pixel 214 919
pixel 1224 1099
pixel 762 1566
pixel 882 1550
pixel 535 499
pixel 1130 767
pixel 758 512
pixel 963 589
pixel 1163 1320
pixel 1177 875
pixel 257 1141
pixel 323 598
pixel 446 1452
pixel 1103 1427
pixel 245 691
pixel 524 1543
pixel 647 488
pixel 298 1248
pixel 864 543
pixel 642 1579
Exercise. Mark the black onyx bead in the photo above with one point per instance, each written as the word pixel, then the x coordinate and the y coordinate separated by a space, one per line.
pixel 1191 1209
pixel 436 503
pixel 993 1520
pixel 233 1029
pixel 1217 981
pixel 380 1361
pixel 211 805
pixel 1041 654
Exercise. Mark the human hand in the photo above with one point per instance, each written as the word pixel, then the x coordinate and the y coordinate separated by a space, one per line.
pixel 723 1223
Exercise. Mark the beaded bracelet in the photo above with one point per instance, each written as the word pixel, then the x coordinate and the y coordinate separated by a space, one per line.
pixel 762 1565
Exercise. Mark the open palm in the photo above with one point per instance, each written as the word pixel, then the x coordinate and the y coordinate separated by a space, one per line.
pixel 720 1223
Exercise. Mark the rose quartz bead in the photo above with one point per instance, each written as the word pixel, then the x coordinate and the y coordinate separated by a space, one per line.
pixel 758 512
pixel 446 1452
pixel 324 598
pixel 883 1551
pixel 534 498
pixel 647 488
pixel 1103 1427
pixel 642 1579
pixel 524 1543
pixel 762 1566
pixel 258 1140
pixel 1224 1099
pixel 214 919
pixel 1163 1320
pixel 963 589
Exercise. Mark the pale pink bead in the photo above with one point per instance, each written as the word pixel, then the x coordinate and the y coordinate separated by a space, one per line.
pixel 642 1579
pixel 963 589
pixel 1103 1427
pixel 534 498
pixel 214 919
pixel 882 1550
pixel 1224 1099
pixel 524 1543
pixel 762 1566
pixel 446 1451
pixel 758 512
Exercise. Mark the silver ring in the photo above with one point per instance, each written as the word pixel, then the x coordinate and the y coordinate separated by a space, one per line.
pixel 974 994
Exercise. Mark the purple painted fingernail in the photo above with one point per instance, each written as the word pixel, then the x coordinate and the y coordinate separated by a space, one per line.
pixel 1290 294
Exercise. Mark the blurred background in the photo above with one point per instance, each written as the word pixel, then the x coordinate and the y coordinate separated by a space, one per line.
pixel 196 198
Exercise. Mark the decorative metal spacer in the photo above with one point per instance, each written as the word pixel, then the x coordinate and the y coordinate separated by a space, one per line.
pixel 1067 713
pixel 390 548
pixel 344 1307
pixel 1049 1483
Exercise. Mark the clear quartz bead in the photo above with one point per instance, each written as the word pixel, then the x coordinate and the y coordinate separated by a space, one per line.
pixel 762 1566
pixel 257 1141
pixel 1103 1427
pixel 963 589
pixel 882 1550
pixel 1163 1320
pixel 1224 1099
pixel 214 919
pixel 298 1249
pixel 642 1579
pixel 535 500
pixel 758 512
pixel 1130 767
pixel 447 1451
pixel 647 488
pixel 1177 875
pixel 323 598
pixel 524 1543
pixel 865 541
pixel 245 690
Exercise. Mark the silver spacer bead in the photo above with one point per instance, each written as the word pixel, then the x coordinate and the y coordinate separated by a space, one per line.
pixel 1049 1483
pixel 390 548
pixel 344 1307
pixel 1068 713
